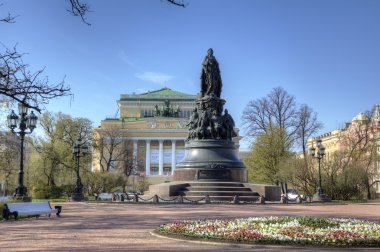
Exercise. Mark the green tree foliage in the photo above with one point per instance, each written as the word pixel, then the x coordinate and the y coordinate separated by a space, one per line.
pixel 98 182
pixel 276 125
pixel 267 152
pixel 9 162
pixel 52 163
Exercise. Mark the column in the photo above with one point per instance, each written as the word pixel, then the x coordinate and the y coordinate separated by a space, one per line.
pixel 147 159
pixel 135 154
pixel 173 156
pixel 160 157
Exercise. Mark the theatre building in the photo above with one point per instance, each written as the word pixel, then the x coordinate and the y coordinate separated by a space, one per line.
pixel 152 127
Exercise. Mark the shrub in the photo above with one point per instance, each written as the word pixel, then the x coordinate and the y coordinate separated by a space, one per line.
pixel 42 191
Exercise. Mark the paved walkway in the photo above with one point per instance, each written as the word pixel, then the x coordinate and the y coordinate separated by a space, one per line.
pixel 127 227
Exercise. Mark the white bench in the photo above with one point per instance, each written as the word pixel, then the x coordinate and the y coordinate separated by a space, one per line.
pixel 4 198
pixel 30 209
pixel 104 196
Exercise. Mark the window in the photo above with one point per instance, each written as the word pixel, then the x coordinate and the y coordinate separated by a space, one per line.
pixel 167 171
pixel 141 148
pixel 154 171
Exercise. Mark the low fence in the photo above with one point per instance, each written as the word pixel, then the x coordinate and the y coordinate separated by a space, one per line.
pixel 127 198
pixel 182 200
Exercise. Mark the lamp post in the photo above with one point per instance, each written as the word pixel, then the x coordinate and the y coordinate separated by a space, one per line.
pixel 24 122
pixel 319 196
pixel 133 173
pixel 79 149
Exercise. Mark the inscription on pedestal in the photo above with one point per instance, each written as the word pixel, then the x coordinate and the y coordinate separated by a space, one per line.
pixel 214 174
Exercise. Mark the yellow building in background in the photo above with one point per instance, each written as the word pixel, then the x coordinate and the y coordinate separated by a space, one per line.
pixel 338 140
pixel 151 129
pixel 154 126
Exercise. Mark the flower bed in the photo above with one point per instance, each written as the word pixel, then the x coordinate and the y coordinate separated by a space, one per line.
pixel 281 230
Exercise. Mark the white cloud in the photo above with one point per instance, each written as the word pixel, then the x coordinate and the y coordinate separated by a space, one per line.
pixel 154 77
pixel 125 59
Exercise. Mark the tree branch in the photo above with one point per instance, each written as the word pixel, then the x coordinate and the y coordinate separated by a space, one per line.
pixel 79 9
pixel 177 2
pixel 24 86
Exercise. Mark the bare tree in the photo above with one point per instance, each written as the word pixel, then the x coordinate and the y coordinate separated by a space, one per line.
pixel 308 125
pixel 31 88
pixel 294 171
pixel 8 18
pixel 294 124
pixel 110 147
pixel 20 84
pixel 278 108
pixel 79 8
pixel 180 3
pixel 352 168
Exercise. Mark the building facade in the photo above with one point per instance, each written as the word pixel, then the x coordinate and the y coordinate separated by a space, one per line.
pixel 362 133
pixel 154 127
pixel 151 130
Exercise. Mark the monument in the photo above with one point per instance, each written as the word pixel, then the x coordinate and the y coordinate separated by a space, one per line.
pixel 211 155
pixel 211 167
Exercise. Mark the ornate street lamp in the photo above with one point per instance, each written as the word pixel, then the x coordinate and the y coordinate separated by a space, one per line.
pixel 79 149
pixel 319 196
pixel 24 122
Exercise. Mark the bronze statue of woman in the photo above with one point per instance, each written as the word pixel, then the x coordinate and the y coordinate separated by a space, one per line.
pixel 211 82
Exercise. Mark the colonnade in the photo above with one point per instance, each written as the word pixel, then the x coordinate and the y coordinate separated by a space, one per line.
pixel 160 154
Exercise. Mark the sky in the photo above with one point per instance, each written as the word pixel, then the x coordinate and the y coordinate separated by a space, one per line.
pixel 325 53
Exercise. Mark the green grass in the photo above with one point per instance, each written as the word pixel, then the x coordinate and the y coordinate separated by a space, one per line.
pixel 63 199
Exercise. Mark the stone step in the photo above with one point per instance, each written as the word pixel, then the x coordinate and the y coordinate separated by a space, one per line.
pixel 216 188
pixel 219 193
pixel 223 198
pixel 214 184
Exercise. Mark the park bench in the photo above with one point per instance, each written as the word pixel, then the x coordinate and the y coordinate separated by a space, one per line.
pixel 30 209
pixel 104 196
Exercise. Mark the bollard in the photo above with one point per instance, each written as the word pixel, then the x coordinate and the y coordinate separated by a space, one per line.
pixel 299 200
pixel 155 199
pixel 284 200
pixel 136 198
pixel 207 199
pixel 180 199
pixel 262 199
pixel 236 199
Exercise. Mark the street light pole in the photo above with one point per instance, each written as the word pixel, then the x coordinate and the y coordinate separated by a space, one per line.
pixel 25 121
pixel 79 149
pixel 319 196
